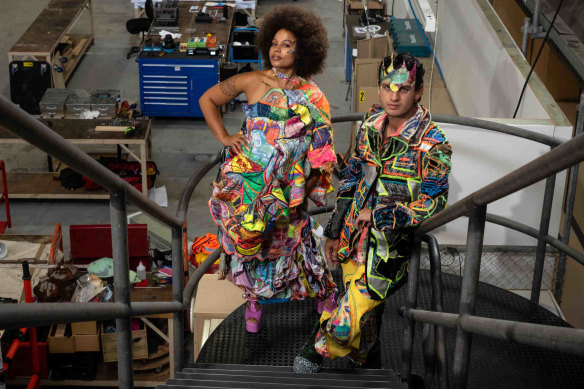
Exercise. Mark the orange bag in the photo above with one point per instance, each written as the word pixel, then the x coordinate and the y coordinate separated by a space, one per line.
pixel 202 247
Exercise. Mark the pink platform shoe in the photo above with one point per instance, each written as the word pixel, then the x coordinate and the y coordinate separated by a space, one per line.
pixel 253 310
pixel 320 304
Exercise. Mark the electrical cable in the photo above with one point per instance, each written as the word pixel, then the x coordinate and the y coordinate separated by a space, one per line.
pixel 537 57
pixel 424 35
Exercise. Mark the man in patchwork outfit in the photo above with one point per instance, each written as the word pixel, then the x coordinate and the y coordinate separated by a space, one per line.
pixel 396 178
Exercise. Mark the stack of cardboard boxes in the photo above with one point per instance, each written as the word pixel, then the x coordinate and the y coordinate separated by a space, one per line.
pixel 74 337
pixel 370 52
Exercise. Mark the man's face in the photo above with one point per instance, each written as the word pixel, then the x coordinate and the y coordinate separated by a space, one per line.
pixel 401 103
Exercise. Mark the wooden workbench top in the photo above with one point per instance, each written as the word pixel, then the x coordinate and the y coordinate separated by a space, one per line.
pixel 84 129
pixel 44 33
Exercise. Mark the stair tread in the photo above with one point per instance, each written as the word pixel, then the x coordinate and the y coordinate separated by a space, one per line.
pixel 219 374
pixel 249 368
pixel 315 384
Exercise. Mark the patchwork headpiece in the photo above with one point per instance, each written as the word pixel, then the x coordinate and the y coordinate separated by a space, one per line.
pixel 397 77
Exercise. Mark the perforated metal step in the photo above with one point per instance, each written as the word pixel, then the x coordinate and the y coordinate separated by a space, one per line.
pixel 494 363
pixel 258 376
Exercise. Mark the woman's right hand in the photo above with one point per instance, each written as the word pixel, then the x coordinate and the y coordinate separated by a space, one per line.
pixel 237 142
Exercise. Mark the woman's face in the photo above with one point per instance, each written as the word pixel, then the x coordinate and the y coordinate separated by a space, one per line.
pixel 282 51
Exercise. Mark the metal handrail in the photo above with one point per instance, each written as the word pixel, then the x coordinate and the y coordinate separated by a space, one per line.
pixel 570 340
pixel 558 159
pixel 564 339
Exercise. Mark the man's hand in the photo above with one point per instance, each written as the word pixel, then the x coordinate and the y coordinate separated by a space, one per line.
pixel 331 249
pixel 237 142
pixel 364 219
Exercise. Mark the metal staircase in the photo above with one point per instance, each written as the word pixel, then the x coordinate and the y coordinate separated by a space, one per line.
pixel 211 375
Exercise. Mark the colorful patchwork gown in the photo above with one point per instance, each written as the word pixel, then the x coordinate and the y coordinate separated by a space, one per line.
pixel 259 199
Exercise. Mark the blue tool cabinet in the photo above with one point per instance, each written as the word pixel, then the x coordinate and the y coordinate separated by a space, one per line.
pixel 172 87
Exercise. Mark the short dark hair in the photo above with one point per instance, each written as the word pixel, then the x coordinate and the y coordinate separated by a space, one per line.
pixel 398 60
pixel 311 37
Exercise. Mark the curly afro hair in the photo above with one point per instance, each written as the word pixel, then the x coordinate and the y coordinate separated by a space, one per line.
pixel 311 37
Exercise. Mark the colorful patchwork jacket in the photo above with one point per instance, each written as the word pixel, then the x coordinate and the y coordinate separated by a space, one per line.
pixel 403 181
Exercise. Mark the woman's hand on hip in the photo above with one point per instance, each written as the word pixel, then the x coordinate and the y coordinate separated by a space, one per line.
pixel 237 142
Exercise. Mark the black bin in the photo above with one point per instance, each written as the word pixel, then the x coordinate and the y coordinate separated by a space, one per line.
pixel 247 51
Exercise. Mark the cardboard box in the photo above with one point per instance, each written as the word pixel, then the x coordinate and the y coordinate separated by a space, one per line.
pixel 366 97
pixel 365 77
pixel 109 345
pixel 85 343
pixel 60 340
pixel 356 5
pixel 379 47
pixel 84 328
pixel 215 299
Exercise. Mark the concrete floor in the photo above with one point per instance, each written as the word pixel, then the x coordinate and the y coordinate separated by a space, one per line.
pixel 180 146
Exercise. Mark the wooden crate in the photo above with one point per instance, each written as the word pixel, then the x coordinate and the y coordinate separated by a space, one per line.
pixel 109 345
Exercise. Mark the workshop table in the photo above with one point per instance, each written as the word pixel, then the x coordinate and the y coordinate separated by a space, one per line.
pixel 82 132
pixel 40 41
pixel 171 83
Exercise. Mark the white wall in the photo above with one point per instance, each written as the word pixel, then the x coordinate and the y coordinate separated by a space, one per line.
pixel 481 157
pixel 481 76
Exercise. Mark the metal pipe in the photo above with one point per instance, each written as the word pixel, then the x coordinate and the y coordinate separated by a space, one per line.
pixel 550 240
pixel 177 294
pixel 36 133
pixel 179 273
pixel 471 122
pixel 525 36
pixel 563 339
pixel 569 207
pixel 559 158
pixel 17 315
pixel 437 306
pixel 429 353
pixel 411 298
pixel 535 18
pixel 544 226
pixel 442 319
pixel 155 308
pixel 196 277
pixel 119 223
pixel 470 280
pixel 185 198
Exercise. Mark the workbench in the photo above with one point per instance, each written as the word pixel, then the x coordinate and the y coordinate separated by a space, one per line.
pixel 78 131
pixel 106 373
pixel 171 83
pixel 51 27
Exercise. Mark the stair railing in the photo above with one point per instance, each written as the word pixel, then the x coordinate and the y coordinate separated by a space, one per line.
pixel 570 340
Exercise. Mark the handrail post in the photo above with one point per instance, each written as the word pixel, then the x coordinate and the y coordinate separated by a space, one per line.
pixel 177 294
pixel 120 255
pixel 569 208
pixel 412 295
pixel 437 306
pixel 470 279
pixel 544 226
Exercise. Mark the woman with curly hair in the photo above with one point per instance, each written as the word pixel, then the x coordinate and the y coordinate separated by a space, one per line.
pixel 282 155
